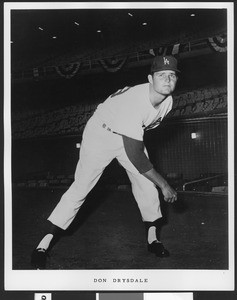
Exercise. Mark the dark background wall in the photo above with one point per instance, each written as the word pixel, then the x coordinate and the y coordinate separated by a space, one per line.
pixel 174 151
pixel 171 148
pixel 55 156
pixel 196 72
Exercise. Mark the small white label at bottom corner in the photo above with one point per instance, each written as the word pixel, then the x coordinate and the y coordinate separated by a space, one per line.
pixel 43 296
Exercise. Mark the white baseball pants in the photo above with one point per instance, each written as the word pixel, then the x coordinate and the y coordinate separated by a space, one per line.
pixel 98 148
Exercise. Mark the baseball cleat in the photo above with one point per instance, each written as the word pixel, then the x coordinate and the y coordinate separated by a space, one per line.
pixel 39 258
pixel 158 248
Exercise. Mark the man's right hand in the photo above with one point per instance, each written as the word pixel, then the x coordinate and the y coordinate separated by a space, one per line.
pixel 170 195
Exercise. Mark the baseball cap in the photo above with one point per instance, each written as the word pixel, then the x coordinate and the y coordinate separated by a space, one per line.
pixel 161 63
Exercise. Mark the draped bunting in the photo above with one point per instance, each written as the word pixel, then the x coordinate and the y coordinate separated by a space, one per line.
pixel 69 70
pixel 113 64
pixel 219 43
pixel 116 63
pixel 170 50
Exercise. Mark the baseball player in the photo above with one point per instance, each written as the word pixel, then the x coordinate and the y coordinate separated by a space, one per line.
pixel 116 130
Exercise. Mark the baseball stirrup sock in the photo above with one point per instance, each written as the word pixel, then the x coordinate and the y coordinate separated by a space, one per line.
pixel 45 242
pixel 151 234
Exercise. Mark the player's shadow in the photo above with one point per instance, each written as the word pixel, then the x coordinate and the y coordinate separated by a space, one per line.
pixel 93 201
pixel 110 179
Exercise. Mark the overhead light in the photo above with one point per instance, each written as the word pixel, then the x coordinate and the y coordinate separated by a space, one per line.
pixel 40 28
pixel 192 15
pixel 98 30
pixel 76 23
pixel 54 37
pixel 131 15
pixel 144 24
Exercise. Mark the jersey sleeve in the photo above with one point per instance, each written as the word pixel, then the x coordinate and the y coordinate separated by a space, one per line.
pixel 135 152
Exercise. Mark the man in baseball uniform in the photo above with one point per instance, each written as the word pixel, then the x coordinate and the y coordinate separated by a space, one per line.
pixel 116 130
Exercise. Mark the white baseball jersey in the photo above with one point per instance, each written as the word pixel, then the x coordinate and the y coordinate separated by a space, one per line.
pixel 129 111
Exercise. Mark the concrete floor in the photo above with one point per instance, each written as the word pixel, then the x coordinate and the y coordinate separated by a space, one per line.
pixel 109 234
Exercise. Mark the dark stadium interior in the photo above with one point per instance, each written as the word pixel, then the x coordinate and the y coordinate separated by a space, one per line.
pixel 121 27
pixel 56 85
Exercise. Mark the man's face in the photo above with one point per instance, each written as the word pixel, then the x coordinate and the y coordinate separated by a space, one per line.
pixel 163 82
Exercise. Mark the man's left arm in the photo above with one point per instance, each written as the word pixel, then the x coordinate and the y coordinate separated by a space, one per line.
pixel 135 152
